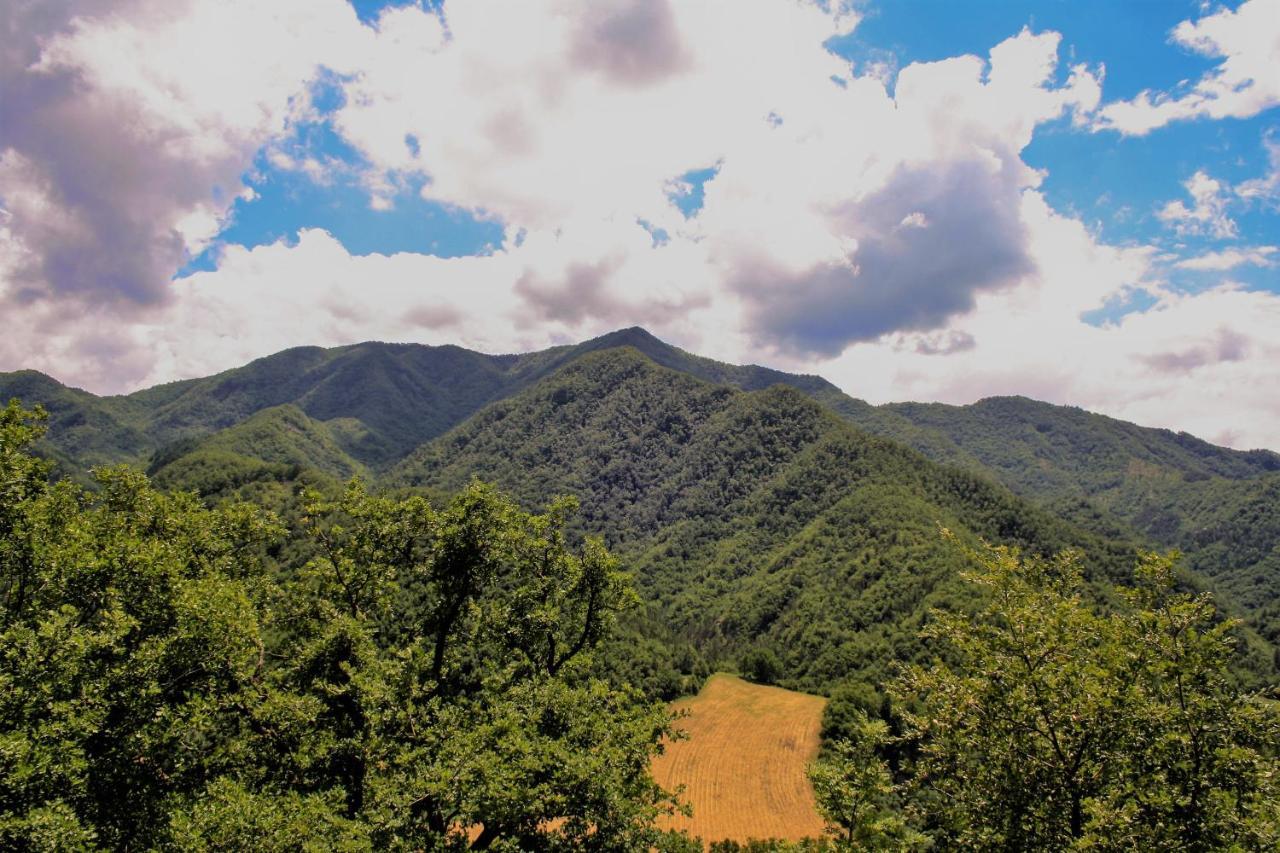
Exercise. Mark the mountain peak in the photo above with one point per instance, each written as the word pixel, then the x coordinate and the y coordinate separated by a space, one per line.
pixel 632 336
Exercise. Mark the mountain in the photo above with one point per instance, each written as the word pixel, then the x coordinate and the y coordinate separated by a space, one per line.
pixel 1053 452
pixel 1221 507
pixel 393 397
pixel 751 519
pixel 669 451
pixel 273 443
pixel 87 430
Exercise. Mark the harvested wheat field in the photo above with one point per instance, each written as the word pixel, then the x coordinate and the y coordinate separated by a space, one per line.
pixel 743 766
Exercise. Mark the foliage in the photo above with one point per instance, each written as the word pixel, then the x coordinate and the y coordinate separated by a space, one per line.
pixel 857 795
pixel 376 401
pixel 240 677
pixel 761 666
pixel 1218 506
pixel 423 681
pixel 753 520
pixel 369 407
pixel 1046 723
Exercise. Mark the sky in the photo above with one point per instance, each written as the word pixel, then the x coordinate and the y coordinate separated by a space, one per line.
pixel 1073 200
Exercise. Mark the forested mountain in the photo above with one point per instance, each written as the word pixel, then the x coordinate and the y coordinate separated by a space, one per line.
pixel 1219 506
pixel 1054 452
pixel 750 518
pixel 89 430
pixel 632 439
pixel 343 659
pixel 392 397
pixel 274 442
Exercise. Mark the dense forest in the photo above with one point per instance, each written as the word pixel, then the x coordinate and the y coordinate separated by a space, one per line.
pixel 337 598
pixel 383 675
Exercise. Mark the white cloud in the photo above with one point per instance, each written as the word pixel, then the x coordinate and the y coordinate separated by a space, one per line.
pixel 125 126
pixel 1229 259
pixel 895 243
pixel 1243 83
pixel 1208 213
pixel 1264 189
pixel 1193 362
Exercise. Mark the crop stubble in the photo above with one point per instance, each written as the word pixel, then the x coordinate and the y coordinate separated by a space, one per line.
pixel 743 766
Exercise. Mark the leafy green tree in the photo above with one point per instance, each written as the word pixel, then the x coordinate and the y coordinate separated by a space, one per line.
pixel 1048 722
pixel 761 665
pixel 131 642
pixel 448 651
pixel 423 680
pixel 856 792
pixel 1199 770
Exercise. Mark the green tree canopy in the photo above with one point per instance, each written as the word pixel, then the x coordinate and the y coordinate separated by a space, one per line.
pixel 1049 722
pixel 423 681
pixel 857 795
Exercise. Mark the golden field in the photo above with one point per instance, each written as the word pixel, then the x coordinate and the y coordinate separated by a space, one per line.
pixel 743 765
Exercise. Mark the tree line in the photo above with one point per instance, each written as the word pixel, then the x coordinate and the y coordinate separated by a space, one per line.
pixel 382 672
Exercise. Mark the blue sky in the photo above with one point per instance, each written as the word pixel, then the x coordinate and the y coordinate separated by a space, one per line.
pixel 1115 183
pixel 1076 201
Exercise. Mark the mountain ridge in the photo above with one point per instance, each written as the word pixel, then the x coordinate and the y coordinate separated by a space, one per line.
pixel 748 517
pixel 366 408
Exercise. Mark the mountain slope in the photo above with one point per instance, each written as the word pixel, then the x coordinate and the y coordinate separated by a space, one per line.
pixel 273 443
pixel 365 407
pixel 392 397
pixel 1053 452
pixel 84 430
pixel 1172 490
pixel 749 517
pixel 404 394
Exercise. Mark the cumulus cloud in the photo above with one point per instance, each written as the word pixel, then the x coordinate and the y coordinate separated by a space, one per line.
pixel 125 126
pixel 944 343
pixel 632 42
pixel 891 239
pixel 582 292
pixel 1228 346
pixel 432 317
pixel 1193 361
pixel 1246 41
pixel 1208 212
pixel 1264 189
pixel 903 274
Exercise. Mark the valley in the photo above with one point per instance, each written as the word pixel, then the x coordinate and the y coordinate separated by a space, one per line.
pixel 767 524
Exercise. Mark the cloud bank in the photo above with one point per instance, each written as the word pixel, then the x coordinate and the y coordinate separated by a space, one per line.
pixel 881 230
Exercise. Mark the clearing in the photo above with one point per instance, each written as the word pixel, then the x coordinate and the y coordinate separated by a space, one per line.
pixel 743 766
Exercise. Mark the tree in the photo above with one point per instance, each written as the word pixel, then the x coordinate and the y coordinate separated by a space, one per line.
pixel 132 641
pixel 761 665
pixel 448 651
pixel 1199 770
pixel 421 679
pixel 856 792
pixel 1049 722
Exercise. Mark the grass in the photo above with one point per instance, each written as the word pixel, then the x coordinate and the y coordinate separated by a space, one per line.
pixel 743 765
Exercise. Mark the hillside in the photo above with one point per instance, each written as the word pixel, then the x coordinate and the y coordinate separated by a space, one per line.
pixel 273 443
pixel 750 518
pixel 688 458
pixel 1172 490
pixel 87 430
pixel 386 398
